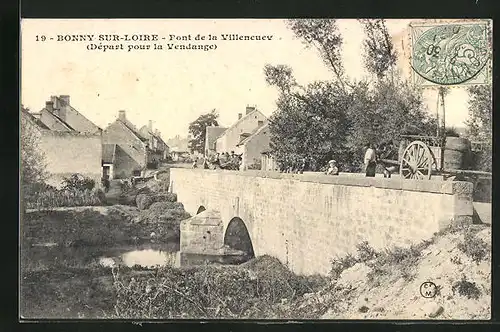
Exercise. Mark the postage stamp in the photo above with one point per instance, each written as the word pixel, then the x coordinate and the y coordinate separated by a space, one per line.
pixel 451 54
pixel 255 169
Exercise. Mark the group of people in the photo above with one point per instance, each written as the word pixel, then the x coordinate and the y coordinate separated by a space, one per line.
pixel 374 155
pixel 222 160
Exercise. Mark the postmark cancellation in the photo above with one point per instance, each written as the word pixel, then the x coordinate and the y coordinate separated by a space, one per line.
pixel 451 53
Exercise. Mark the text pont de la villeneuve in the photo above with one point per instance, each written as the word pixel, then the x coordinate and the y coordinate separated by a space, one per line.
pixel 137 42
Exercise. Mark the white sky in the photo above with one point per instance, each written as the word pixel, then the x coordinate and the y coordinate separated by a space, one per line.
pixel 173 88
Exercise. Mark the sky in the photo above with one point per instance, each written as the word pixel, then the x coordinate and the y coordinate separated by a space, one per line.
pixel 173 87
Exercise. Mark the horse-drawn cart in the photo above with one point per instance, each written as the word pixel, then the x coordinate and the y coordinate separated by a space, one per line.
pixel 421 157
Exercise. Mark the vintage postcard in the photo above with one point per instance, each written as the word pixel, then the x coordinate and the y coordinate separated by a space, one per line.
pixel 255 169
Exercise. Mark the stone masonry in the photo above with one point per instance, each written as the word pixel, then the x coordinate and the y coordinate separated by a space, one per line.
pixel 306 220
pixel 202 234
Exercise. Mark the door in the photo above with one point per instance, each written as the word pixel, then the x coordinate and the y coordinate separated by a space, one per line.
pixel 105 172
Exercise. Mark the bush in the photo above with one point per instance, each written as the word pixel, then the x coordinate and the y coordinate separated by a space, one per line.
pixel 482 160
pixel 209 291
pixel 58 198
pixel 170 214
pixel 466 288
pixel 474 247
pixel 144 201
pixel 365 252
pixel 341 264
pixel 398 262
pixel 78 182
pixel 257 164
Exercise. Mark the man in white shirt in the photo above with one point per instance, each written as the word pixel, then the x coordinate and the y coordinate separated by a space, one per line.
pixel 370 160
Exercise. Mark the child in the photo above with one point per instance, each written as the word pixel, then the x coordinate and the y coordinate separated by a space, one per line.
pixel 332 168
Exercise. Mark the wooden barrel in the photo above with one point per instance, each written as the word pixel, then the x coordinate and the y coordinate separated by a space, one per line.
pixel 456 154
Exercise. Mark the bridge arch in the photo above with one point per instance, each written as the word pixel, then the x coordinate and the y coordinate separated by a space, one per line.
pixel 200 209
pixel 238 237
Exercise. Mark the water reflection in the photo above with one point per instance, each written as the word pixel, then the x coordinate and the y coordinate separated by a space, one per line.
pixel 150 258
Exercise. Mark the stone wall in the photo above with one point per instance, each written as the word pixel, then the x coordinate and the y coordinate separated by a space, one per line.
pixel 67 153
pixel 306 220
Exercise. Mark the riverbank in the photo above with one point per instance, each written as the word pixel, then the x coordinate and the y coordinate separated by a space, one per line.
pixel 63 276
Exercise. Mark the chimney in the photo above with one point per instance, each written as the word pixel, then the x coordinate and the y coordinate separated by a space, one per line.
pixel 250 109
pixel 121 115
pixel 240 115
pixel 260 123
pixel 150 125
pixel 49 105
pixel 55 102
pixel 64 100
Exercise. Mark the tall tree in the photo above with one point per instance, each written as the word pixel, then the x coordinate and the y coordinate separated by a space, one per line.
pixel 379 54
pixel 479 124
pixel 324 36
pixel 197 129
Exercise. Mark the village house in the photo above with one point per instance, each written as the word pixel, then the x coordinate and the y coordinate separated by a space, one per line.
pixel 158 148
pixel 211 134
pixel 246 124
pixel 70 142
pixel 179 148
pixel 126 152
pixel 252 146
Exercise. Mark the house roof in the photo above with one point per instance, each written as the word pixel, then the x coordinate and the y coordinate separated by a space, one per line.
pixel 79 113
pixel 253 134
pixel 58 119
pixel 145 129
pixel 212 133
pixel 130 126
pixel 239 121
pixel 108 153
pixel 33 119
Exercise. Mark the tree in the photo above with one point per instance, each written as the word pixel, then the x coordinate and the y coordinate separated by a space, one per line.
pixel 324 119
pixel 479 124
pixel 197 129
pixel 391 109
pixel 324 35
pixel 379 54
pixel 32 160
pixel 32 163
pixel 310 121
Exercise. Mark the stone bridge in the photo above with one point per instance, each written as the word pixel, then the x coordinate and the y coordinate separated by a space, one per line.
pixel 306 220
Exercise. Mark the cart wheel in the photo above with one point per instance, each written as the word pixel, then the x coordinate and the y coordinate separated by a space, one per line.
pixel 416 162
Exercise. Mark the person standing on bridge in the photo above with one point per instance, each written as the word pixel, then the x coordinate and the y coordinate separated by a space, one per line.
pixel 332 168
pixel 370 160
